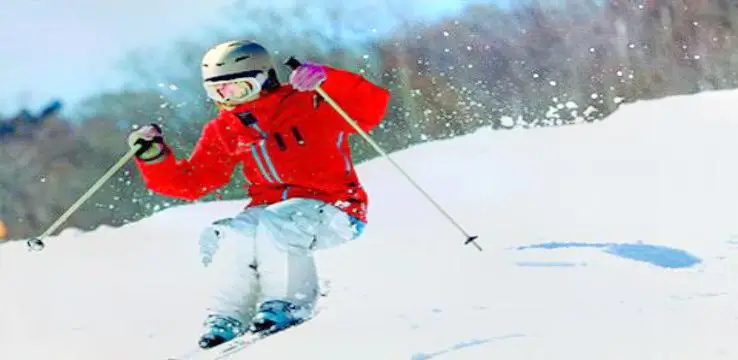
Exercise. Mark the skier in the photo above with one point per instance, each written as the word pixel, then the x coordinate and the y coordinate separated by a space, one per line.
pixel 304 193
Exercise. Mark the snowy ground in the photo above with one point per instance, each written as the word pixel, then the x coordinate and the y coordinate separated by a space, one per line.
pixel 617 240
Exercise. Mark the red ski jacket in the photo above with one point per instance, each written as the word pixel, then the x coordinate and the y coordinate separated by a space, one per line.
pixel 291 144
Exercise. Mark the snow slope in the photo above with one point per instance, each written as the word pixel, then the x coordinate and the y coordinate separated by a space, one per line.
pixel 615 240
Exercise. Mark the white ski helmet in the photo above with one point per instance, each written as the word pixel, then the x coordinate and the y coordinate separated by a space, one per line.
pixel 235 72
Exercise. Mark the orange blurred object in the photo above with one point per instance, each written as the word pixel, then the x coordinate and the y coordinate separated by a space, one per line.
pixel 3 231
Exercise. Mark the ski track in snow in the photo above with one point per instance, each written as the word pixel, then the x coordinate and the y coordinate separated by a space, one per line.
pixel 615 240
pixel 459 346
pixel 653 254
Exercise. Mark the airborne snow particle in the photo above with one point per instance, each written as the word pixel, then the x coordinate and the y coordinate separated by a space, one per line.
pixel 507 121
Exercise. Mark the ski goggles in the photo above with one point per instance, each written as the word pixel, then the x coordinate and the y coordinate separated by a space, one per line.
pixel 236 91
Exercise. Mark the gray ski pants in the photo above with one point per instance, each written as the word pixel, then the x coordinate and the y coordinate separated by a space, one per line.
pixel 265 253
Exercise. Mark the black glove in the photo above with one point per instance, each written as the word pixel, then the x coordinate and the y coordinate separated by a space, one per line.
pixel 151 142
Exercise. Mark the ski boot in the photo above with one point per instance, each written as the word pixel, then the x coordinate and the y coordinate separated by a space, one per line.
pixel 276 315
pixel 220 329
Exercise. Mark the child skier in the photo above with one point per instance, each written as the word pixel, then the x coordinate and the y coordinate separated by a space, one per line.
pixel 304 193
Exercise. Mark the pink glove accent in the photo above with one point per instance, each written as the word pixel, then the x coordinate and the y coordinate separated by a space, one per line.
pixel 307 77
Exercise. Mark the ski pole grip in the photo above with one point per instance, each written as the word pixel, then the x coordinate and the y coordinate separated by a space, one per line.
pixel 292 63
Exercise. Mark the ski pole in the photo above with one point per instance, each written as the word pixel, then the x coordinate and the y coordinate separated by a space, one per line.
pixel 37 243
pixel 470 239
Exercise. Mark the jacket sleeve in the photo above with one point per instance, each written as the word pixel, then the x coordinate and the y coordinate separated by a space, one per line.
pixel 208 168
pixel 365 102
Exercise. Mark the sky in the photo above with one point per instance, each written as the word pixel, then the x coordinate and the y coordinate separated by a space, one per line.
pixel 51 49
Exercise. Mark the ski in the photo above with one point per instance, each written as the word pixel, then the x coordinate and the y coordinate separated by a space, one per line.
pixel 223 350
pixel 233 346
pixel 239 343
